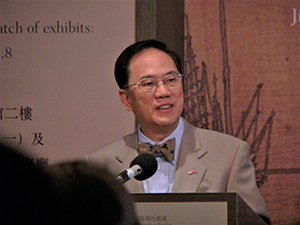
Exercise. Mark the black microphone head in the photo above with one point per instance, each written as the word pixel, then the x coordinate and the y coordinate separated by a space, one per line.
pixel 148 164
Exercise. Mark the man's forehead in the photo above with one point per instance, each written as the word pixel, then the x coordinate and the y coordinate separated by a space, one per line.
pixel 151 58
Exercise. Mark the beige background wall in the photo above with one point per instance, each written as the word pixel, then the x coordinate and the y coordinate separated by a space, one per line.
pixel 58 94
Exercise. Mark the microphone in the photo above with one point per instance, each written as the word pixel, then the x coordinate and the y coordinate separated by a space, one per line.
pixel 141 168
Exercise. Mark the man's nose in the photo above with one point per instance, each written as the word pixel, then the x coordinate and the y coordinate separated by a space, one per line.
pixel 162 88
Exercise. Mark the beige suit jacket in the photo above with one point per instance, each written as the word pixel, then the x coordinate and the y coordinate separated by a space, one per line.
pixel 222 164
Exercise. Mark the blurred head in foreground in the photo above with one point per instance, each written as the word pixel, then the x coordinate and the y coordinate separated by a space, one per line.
pixel 91 195
pixel 66 193
pixel 26 192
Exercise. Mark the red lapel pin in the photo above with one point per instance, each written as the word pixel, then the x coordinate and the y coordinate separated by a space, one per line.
pixel 192 172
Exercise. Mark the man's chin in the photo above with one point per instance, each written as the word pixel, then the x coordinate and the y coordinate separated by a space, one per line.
pixel 166 122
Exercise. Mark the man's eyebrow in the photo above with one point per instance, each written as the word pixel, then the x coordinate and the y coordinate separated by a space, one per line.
pixel 172 71
pixel 151 76
pixel 147 76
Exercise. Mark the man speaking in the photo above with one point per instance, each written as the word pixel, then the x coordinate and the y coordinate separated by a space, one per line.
pixel 189 159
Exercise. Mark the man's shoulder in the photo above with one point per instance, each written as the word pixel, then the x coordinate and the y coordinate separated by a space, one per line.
pixel 211 136
pixel 111 149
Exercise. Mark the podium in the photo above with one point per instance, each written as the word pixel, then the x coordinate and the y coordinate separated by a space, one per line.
pixel 194 209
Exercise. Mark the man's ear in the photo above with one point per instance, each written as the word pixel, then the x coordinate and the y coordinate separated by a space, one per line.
pixel 123 94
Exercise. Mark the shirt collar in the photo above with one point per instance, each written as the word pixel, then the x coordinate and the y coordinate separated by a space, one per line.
pixel 177 134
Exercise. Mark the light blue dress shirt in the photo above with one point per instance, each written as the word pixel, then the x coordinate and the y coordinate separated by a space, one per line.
pixel 162 181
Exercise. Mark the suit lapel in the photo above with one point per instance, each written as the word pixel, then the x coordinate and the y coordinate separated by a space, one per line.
pixel 190 152
pixel 125 157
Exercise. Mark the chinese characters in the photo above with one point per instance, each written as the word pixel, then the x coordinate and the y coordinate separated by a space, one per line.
pixel 23 113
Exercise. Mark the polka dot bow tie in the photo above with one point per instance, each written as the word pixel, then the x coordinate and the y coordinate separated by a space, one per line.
pixel 166 149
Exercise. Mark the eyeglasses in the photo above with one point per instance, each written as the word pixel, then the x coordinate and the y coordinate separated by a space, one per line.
pixel 150 83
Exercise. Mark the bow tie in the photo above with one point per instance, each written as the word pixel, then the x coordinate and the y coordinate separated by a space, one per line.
pixel 166 149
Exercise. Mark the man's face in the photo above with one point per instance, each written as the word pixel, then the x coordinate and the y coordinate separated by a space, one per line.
pixel 160 107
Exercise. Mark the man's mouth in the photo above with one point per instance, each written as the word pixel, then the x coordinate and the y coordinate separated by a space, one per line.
pixel 164 107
